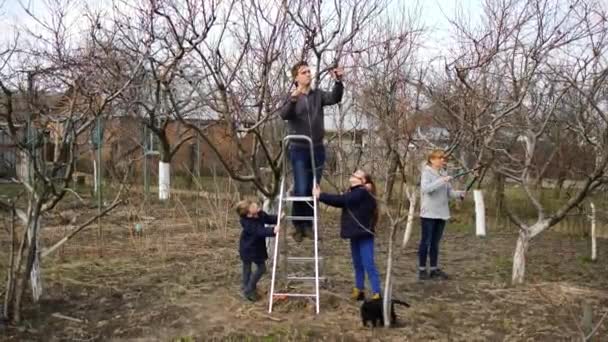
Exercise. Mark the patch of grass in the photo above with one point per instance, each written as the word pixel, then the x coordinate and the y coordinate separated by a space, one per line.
pixel 183 339
pixel 460 227
pixel 585 260
pixel 503 265
pixel 10 191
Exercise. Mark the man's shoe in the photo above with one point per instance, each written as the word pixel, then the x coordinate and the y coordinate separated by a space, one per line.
pixel 438 274
pixel 308 233
pixel 297 235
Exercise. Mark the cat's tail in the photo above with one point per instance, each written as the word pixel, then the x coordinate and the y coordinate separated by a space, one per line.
pixel 400 302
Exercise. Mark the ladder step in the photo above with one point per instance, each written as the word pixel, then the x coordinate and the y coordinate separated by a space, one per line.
pixel 300 218
pixel 303 278
pixel 295 294
pixel 303 258
pixel 298 198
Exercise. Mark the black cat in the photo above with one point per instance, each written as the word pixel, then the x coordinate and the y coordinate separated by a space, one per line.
pixel 371 311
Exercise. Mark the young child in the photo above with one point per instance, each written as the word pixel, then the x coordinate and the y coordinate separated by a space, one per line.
pixel 252 246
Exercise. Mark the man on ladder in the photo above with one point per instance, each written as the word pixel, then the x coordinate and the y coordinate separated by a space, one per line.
pixel 303 111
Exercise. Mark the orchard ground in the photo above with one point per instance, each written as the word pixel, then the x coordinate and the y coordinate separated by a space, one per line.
pixel 179 281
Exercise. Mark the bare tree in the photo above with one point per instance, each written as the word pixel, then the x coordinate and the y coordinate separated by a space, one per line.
pixel 513 82
pixel 57 83
pixel 238 77
pixel 389 104
pixel 386 98
pixel 163 33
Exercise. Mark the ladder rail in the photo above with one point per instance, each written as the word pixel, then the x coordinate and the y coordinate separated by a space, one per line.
pixel 286 141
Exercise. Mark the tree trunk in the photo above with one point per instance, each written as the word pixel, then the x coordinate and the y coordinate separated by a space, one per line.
pixel 164 180
pixel 270 206
pixel 389 279
pixel 519 257
pixel 412 197
pixel 10 283
pixel 95 185
pixel 499 195
pixel 22 268
pixel 559 185
pixel 164 169
pixel 593 229
pixel 193 150
pixel 480 213
pixel 390 176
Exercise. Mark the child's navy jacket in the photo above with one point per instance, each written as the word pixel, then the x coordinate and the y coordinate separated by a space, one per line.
pixel 358 206
pixel 252 246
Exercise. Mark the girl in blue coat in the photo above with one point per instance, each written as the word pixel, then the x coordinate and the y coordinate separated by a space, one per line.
pixel 358 223
pixel 252 246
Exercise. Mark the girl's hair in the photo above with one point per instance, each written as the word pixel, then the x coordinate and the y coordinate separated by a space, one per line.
pixel 372 189
pixel 242 208
pixel 434 155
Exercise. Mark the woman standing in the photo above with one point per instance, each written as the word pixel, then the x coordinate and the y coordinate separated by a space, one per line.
pixel 358 222
pixel 435 193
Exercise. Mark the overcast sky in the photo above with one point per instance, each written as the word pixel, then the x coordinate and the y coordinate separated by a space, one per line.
pixel 434 17
pixel 434 13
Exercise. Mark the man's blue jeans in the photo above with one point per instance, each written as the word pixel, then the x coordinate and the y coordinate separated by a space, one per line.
pixel 302 180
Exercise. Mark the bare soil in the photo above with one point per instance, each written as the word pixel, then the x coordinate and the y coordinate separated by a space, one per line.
pixel 179 281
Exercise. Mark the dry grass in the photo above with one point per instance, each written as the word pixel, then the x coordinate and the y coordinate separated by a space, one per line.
pixel 176 281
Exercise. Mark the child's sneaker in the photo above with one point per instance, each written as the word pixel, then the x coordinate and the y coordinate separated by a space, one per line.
pixel 376 296
pixel 252 297
pixel 357 294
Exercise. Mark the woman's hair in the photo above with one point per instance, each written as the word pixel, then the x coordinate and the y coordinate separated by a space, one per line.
pixel 434 155
pixel 372 189
pixel 242 208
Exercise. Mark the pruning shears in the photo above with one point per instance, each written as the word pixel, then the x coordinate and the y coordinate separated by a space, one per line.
pixel 475 178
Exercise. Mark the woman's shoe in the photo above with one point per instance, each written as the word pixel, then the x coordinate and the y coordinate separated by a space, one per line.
pixel 438 274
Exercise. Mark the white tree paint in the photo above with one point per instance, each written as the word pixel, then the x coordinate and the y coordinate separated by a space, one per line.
pixel 480 213
pixel 521 248
pixel 95 186
pixel 164 180
pixel 593 230
pixel 412 196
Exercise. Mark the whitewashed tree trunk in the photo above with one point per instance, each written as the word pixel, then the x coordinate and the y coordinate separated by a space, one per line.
pixel 412 196
pixel 164 180
pixel 519 257
pixel 95 185
pixel 593 232
pixel 35 274
pixel 521 248
pixel 23 168
pixel 270 206
pixel 480 213
pixel 386 301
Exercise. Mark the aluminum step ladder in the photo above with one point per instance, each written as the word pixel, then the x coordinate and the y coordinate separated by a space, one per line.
pixel 283 199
